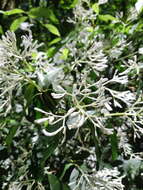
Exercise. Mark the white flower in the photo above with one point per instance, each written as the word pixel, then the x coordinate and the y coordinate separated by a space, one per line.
pixel 108 179
pixel 57 96
pixel 25 26
pixel 119 78
pixel 125 96
pixel 75 120
pixel 139 5
pixel 102 2
pixel 140 51
pixel 51 75
pixel 115 52
pixel 18 108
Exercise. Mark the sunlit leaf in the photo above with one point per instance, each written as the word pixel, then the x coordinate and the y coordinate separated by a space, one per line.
pixel 95 7
pixel 51 51
pixel 16 23
pixel 65 53
pixel 12 12
pixel 56 40
pixel 107 18
pixel 53 29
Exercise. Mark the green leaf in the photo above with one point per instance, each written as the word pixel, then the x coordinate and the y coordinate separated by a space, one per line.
pixel 16 23
pixel 1 30
pixel 73 4
pixel 65 53
pixel 67 166
pixel 95 7
pixel 68 5
pixel 90 29
pixel 56 40
pixel 12 12
pixel 54 182
pixel 49 150
pixel 107 18
pixel 51 51
pixel 43 12
pixel 53 29
pixel 114 146
pixel 52 17
pixel 38 12
pixel 29 93
pixel 11 134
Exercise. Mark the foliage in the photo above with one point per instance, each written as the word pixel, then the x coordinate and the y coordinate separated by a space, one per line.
pixel 71 104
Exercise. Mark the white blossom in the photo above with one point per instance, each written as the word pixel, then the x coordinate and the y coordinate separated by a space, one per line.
pixel 139 5
pixel 75 120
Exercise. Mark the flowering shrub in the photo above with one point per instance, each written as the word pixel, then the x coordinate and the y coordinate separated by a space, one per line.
pixel 74 118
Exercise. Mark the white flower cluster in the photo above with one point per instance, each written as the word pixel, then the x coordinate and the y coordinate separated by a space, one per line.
pixel 86 78
pixel 105 179
pixel 92 77
pixel 108 179
pixel 81 14
pixel 14 66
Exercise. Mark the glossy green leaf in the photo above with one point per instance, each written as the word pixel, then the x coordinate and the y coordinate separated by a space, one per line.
pixel 53 29
pixel 16 23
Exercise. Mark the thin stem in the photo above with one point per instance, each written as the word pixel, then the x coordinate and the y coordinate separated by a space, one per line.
pixel 118 114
